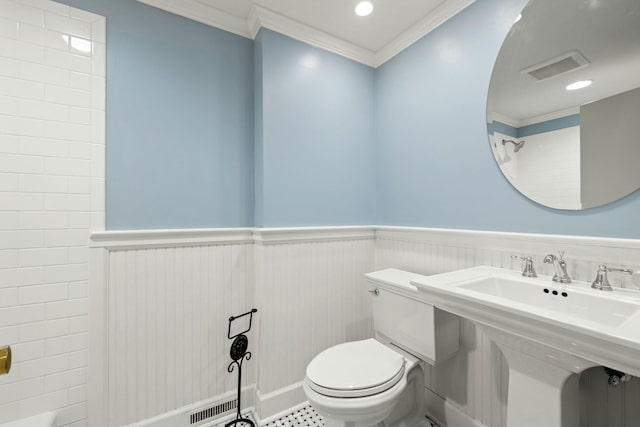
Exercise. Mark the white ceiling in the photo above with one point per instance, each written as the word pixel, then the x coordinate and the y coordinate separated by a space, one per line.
pixel 330 24
pixel 606 32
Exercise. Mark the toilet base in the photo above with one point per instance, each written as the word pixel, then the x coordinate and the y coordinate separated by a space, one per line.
pixel 421 422
pixel 402 423
pixel 409 410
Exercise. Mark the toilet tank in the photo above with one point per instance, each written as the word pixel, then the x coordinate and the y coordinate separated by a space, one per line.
pixel 403 317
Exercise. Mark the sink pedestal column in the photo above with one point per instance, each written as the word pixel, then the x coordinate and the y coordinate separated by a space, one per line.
pixel 543 383
pixel 540 394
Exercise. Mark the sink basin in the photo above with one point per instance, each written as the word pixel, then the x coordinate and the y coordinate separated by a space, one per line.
pixel 548 332
pixel 603 327
pixel 570 304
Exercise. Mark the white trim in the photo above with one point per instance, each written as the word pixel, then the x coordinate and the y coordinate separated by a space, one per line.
pixel 114 240
pixel 550 116
pixel 266 236
pixel 273 405
pixel 97 381
pixel 492 117
pixel 261 17
pixel 204 14
pixel 279 415
pixel 253 21
pixel 180 417
pixel 424 26
pixel 271 20
pixel 497 240
pixel 446 414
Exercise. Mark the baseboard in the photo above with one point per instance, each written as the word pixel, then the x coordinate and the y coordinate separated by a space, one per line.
pixel 180 416
pixel 272 405
pixel 446 414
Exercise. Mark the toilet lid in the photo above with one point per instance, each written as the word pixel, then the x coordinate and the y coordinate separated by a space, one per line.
pixel 355 368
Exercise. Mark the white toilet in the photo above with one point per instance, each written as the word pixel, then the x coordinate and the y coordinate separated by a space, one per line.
pixel 380 382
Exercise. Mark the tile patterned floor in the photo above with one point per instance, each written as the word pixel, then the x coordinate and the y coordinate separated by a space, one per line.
pixel 303 417
pixel 247 415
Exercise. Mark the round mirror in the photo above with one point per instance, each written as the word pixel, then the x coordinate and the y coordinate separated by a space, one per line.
pixel 563 111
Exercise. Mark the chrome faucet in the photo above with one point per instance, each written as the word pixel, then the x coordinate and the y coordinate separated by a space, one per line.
pixel 601 281
pixel 560 265
pixel 528 270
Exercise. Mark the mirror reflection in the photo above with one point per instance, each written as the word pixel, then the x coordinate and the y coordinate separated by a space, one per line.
pixel 563 110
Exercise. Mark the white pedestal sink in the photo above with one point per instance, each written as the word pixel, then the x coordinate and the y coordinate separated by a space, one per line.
pixel 548 333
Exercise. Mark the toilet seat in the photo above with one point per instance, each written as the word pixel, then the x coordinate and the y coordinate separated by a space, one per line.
pixel 355 369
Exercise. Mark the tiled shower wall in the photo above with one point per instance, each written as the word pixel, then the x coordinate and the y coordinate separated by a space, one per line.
pixel 476 379
pixel 52 102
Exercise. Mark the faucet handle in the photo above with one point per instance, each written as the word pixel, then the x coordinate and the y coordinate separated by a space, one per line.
pixel 601 282
pixel 560 265
pixel 528 270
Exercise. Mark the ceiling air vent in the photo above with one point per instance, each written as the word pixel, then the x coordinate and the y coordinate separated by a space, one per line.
pixel 564 63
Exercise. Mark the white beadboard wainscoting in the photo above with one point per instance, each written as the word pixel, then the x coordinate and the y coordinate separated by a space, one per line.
pixel 159 312
pixel 475 381
pixel 52 150
pixel 312 294
pixel 160 301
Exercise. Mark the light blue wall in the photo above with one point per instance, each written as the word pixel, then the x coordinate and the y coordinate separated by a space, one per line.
pixel 179 120
pixel 316 147
pixel 502 128
pixel 435 166
pixel 258 128
pixel 327 140
pixel 536 128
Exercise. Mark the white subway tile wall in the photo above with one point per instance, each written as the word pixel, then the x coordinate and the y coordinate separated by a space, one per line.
pixel 52 127
pixel 547 169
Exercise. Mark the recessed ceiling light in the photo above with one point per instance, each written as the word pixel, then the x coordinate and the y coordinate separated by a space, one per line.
pixel 579 85
pixel 519 17
pixel 364 8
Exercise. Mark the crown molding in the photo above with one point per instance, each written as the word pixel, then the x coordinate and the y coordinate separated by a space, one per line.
pixel 492 117
pixel 254 22
pixel 441 14
pixel 204 14
pixel 550 116
pixel 261 17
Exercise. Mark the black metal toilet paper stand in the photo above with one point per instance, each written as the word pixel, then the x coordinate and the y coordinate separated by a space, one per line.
pixel 239 354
